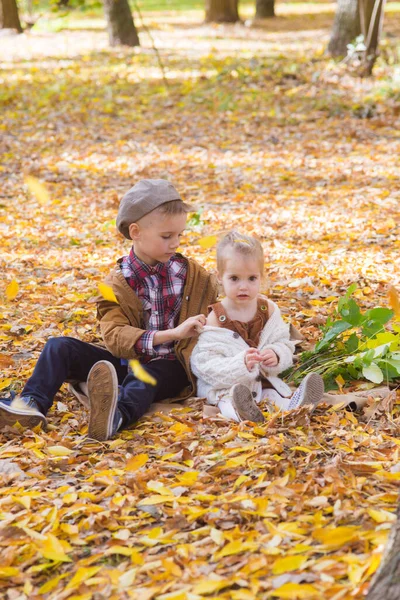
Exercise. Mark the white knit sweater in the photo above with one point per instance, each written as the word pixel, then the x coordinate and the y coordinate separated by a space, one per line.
pixel 218 358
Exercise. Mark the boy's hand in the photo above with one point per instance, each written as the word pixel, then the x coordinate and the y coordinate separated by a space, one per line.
pixel 269 358
pixel 251 358
pixel 192 326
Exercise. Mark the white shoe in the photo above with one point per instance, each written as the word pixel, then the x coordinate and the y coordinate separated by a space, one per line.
pixel 310 391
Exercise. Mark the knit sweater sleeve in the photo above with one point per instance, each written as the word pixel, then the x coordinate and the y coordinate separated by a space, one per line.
pixel 219 363
pixel 276 337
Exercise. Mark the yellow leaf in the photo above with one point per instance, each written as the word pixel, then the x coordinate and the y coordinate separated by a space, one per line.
pixel 381 516
pixel 241 479
pixel 136 462
pixel 287 563
pixel 394 300
pixel 52 549
pixel 107 292
pixel 173 596
pixel 8 572
pixel 28 588
pixel 171 568
pixel 37 188
pixel 141 373
pixel 81 575
pixel 123 550
pixel 209 586
pixel 157 486
pixel 180 429
pixel 12 290
pixel 188 478
pixel 150 500
pixel 5 383
pixel 24 500
pixel 302 449
pixel 238 461
pixel 51 584
pixel 70 498
pixel 208 242
pixel 335 537
pixel 296 591
pixel 340 381
pixel 235 547
pixel 127 579
pixel 69 529
pixel 59 451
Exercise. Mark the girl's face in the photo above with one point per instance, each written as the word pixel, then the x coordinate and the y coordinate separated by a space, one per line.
pixel 241 278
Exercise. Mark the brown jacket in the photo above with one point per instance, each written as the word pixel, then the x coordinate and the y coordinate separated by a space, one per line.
pixel 122 324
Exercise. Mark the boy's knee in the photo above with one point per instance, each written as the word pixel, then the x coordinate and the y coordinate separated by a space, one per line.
pixel 59 345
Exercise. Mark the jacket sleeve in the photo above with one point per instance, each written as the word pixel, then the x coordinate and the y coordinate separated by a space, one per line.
pixel 118 334
pixel 279 341
pixel 211 363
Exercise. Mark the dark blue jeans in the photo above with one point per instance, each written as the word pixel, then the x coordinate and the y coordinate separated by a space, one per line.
pixel 66 359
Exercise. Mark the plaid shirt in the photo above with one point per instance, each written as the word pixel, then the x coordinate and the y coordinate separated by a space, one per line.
pixel 160 289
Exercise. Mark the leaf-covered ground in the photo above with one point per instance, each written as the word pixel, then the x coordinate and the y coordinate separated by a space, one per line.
pixel 267 135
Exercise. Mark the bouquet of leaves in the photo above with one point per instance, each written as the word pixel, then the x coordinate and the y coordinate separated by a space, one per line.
pixel 355 345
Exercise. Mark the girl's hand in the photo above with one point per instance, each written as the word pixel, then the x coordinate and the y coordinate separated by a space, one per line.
pixel 269 358
pixel 252 358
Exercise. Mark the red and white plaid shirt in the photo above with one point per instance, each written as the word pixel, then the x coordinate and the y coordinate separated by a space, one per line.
pixel 160 289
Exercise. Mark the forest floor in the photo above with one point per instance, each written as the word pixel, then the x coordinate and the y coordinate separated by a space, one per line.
pixel 261 132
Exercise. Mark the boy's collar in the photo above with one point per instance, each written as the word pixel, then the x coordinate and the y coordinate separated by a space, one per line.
pixel 159 267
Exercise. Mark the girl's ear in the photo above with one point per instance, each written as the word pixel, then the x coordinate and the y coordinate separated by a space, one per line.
pixel 134 231
pixel 219 278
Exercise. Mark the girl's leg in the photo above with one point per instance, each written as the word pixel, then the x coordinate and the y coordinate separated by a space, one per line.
pixel 277 399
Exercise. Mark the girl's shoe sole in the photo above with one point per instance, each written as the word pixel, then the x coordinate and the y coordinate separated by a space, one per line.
pixel 244 404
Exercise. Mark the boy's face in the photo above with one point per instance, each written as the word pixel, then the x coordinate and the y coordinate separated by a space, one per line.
pixel 156 236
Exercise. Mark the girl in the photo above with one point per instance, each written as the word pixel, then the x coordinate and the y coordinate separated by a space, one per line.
pixel 245 343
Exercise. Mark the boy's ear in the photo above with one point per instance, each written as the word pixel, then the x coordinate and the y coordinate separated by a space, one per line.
pixel 219 279
pixel 134 230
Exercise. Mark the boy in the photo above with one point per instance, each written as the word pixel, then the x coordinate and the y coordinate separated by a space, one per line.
pixel 162 299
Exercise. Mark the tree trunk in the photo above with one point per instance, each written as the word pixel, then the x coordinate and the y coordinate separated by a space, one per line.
pixel 120 26
pixel 265 9
pixel 371 19
pixel 9 17
pixel 222 11
pixel 346 27
pixel 385 584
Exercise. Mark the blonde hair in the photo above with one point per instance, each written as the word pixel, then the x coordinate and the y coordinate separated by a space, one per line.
pixel 174 207
pixel 241 243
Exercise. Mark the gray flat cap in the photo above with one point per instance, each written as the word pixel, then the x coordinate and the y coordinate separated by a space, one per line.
pixel 144 197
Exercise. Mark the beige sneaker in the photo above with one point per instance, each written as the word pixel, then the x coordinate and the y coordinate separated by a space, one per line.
pixel 244 405
pixel 104 418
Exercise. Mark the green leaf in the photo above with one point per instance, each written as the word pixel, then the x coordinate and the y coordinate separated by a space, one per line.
pixel 373 373
pixel 395 364
pixel 351 344
pixel 351 313
pixel 350 290
pixel 337 328
pixel 379 315
pixel 353 372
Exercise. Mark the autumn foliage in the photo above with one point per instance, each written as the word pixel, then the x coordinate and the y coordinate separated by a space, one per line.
pixel 261 132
